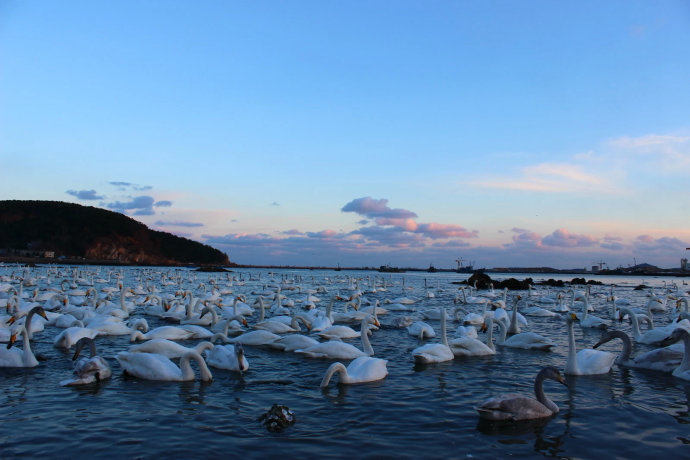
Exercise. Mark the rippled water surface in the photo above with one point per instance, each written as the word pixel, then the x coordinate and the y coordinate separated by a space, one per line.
pixel 417 411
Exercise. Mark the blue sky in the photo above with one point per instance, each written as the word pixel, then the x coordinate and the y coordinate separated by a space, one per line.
pixel 362 133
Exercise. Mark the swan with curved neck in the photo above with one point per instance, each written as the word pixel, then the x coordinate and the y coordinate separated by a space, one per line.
pixel 586 361
pixel 660 359
pixel 228 357
pixel 360 370
pixel 652 336
pixel 87 370
pixel 278 327
pixel 524 340
pixel 472 346
pixel 336 349
pixel 151 366
pixel 590 321
pixel 10 357
pixel 683 370
pixel 435 352
pixel 29 317
pixel 168 348
pixel 515 407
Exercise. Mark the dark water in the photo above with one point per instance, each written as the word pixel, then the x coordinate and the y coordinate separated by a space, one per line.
pixel 417 412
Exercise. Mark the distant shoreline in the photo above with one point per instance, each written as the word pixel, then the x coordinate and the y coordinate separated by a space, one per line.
pixel 517 270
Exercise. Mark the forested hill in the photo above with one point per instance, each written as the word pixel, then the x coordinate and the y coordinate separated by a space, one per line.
pixel 76 231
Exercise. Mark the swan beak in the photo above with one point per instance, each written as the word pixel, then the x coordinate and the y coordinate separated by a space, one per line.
pixel 76 354
pixel 166 306
pixel 146 299
pixel 308 327
pixel 620 317
pixel 596 345
pixel 43 314
pixel 484 328
pixel 562 380
pixel 376 323
pixel 244 322
pixel 573 316
pixel 13 338
pixel 11 320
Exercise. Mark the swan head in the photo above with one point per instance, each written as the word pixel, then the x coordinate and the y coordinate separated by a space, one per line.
pixel 605 337
pixel 552 373
pixel 239 353
pixel 13 337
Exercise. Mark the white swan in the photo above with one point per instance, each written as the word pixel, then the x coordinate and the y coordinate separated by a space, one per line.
pixel 421 329
pixel 514 407
pixel 168 348
pixel 278 327
pixel 228 357
pixel 168 332
pixel 652 336
pixel 336 349
pixel 586 361
pixel 524 340
pixel 472 346
pixel 151 366
pixel 12 357
pixel 435 352
pixel 258 337
pixel 660 359
pixel 360 370
pixel 87 370
pixel 590 321
pixel 293 342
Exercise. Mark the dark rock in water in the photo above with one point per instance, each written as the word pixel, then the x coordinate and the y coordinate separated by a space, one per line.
pixel 482 279
pixel 553 282
pixel 582 281
pixel 278 418
pixel 513 284
pixel 212 269
pixel 639 287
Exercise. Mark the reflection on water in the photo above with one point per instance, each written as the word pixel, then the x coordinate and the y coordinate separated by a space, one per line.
pixel 418 411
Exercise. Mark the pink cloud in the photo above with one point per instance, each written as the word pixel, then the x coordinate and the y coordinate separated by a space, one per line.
pixel 435 231
pixel 563 238
pixel 370 207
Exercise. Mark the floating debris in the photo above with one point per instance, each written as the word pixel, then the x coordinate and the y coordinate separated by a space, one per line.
pixel 278 418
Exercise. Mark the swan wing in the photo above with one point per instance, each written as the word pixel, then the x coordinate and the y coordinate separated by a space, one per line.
pixel 432 353
pixel 367 369
pixel 149 366
pixel 512 407
pixel 591 362
pixel 467 346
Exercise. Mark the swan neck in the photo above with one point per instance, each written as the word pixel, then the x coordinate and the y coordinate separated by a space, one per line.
pixel 541 396
pixel 203 346
pixel 444 338
pixel 501 332
pixel 490 336
pixel 366 345
pixel 685 363
pixel 332 369
pixel 571 362
pixel 28 355
pixel 635 323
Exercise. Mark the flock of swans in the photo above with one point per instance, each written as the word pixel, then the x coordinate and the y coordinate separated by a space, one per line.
pixel 229 315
